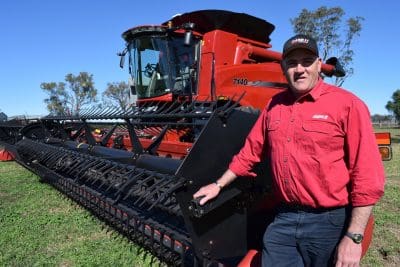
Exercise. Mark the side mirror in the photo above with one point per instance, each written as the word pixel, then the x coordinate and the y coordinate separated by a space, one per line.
pixel 338 70
pixel 122 55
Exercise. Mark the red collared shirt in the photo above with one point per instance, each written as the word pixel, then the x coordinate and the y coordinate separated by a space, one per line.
pixel 321 149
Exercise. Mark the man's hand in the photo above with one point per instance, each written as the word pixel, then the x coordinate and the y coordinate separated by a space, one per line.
pixel 348 253
pixel 207 192
pixel 212 190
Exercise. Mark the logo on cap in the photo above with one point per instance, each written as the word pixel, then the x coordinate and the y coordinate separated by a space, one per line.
pixel 300 41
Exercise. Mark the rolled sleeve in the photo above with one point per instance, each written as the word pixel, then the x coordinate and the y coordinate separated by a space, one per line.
pixel 364 161
pixel 253 150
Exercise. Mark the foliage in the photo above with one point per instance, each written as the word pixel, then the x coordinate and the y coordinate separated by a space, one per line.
pixel 394 105
pixel 333 38
pixel 73 95
pixel 117 94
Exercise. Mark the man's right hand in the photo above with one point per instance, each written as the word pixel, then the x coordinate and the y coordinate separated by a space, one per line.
pixel 207 192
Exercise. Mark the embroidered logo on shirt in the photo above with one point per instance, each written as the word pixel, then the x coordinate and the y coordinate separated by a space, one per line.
pixel 320 116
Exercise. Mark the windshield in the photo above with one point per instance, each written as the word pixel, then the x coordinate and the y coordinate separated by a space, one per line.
pixel 163 64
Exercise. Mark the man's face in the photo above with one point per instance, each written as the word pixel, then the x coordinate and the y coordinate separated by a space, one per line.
pixel 301 68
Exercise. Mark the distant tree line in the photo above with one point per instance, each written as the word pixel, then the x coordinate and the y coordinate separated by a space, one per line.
pixel 377 118
pixel 78 92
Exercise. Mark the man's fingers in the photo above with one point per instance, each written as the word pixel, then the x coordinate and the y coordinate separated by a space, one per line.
pixel 205 193
pixel 204 200
pixel 198 194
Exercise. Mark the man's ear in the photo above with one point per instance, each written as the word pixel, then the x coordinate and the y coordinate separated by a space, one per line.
pixel 319 64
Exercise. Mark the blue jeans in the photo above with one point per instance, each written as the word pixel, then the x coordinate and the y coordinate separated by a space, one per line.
pixel 303 237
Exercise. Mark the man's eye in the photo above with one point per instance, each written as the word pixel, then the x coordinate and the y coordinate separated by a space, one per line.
pixel 308 61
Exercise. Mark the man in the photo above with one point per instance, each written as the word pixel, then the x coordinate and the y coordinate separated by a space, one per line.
pixel 324 163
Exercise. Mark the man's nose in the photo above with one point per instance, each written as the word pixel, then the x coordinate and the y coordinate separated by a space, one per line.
pixel 299 67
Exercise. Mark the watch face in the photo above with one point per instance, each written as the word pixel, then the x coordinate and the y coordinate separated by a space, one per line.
pixel 357 238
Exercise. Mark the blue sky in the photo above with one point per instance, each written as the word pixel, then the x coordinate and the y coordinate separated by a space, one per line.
pixel 42 41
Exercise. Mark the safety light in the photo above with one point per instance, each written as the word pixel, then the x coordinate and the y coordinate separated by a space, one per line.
pixel 386 152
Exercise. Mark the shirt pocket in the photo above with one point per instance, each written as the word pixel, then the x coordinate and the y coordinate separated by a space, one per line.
pixel 273 124
pixel 319 136
pixel 318 126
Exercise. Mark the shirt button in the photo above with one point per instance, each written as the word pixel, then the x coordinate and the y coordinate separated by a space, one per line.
pixel 284 159
pixel 292 120
pixel 288 139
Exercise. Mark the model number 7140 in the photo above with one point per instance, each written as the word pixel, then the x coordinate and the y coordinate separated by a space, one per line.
pixel 241 81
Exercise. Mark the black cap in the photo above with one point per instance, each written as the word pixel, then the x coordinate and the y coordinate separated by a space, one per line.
pixel 300 41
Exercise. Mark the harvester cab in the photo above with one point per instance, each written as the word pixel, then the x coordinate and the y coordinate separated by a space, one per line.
pixel 200 79
pixel 161 63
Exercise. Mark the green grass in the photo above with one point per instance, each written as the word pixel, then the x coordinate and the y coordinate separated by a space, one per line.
pixel 41 227
pixel 385 246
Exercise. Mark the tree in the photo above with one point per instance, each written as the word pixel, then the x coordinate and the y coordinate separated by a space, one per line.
pixel 394 105
pixel 333 38
pixel 117 94
pixel 70 97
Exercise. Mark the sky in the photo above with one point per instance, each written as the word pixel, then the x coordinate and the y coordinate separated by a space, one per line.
pixel 43 40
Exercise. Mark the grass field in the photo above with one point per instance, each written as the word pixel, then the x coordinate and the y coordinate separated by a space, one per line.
pixel 385 247
pixel 41 227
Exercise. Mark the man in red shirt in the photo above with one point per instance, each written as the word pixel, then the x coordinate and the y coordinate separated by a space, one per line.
pixel 324 161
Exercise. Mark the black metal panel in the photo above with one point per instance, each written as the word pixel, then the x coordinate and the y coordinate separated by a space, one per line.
pixel 221 233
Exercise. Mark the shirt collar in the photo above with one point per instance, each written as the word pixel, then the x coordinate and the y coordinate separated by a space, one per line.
pixel 314 94
pixel 317 91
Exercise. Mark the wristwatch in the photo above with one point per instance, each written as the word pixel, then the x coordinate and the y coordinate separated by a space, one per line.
pixel 357 238
pixel 218 184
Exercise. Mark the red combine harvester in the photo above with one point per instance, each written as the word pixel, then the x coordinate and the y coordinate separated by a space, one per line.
pixel 201 79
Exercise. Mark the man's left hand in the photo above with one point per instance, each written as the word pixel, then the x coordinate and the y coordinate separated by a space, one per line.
pixel 348 253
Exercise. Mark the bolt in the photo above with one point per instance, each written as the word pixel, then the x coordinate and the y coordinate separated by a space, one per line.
pixel 206 253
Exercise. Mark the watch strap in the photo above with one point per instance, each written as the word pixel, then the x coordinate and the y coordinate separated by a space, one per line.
pixel 357 238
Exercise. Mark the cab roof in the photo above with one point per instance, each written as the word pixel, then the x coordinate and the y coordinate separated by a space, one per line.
pixel 241 24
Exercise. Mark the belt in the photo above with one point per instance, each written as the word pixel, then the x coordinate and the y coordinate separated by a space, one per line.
pixel 293 207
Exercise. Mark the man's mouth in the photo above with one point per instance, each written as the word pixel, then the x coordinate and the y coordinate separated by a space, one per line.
pixel 298 78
